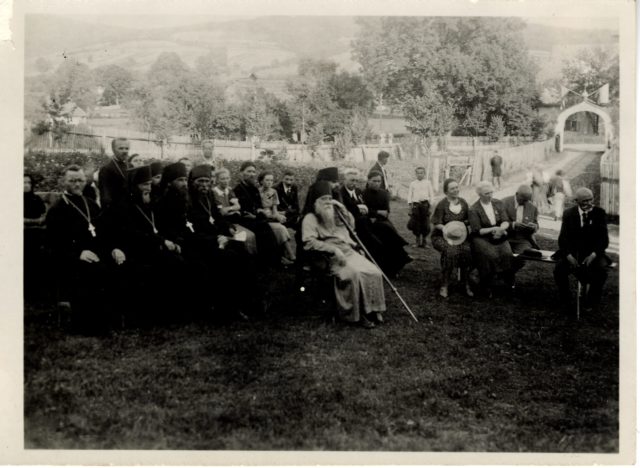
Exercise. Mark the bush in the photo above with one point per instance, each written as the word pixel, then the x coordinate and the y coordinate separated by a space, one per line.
pixel 47 167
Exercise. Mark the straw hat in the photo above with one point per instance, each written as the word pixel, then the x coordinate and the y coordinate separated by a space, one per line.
pixel 454 232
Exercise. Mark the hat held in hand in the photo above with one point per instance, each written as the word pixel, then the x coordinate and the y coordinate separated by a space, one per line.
pixel 454 232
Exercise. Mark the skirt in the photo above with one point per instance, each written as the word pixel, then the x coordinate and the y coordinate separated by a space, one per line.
pixel 491 259
pixel 452 256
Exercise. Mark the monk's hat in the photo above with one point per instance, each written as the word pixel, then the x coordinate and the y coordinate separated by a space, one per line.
pixel 173 172
pixel 201 170
pixel 156 168
pixel 328 173
pixel 139 175
pixel 319 189
pixel 454 232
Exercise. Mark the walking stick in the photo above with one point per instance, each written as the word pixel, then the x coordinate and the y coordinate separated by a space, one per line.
pixel 578 300
pixel 357 239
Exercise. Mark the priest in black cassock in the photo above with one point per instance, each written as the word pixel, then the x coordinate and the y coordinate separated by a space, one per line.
pixel 112 178
pixel 83 262
pixel 153 270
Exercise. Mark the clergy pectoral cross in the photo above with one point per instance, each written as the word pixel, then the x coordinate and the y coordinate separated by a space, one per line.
pixel 211 220
pixel 92 230
pixel 190 226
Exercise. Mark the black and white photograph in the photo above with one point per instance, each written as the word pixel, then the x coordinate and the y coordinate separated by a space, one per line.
pixel 282 231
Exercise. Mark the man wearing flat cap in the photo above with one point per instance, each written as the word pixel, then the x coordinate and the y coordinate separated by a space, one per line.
pixel 582 243
pixel 358 284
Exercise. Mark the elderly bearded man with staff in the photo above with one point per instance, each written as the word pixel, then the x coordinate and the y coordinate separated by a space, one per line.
pixel 358 284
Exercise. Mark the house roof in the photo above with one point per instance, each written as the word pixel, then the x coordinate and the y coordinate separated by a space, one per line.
pixel 72 109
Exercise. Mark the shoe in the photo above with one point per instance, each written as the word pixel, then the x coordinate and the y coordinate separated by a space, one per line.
pixel 378 318
pixel 468 290
pixel 367 324
pixel 242 316
pixel 444 291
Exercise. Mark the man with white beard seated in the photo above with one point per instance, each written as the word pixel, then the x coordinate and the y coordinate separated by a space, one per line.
pixel 358 283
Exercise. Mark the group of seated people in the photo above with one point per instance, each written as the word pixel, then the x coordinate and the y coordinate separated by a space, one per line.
pixel 495 236
pixel 153 240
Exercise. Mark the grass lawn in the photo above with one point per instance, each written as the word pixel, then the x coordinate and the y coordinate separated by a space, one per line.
pixel 511 374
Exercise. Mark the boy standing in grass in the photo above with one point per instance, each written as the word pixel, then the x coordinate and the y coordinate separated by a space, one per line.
pixel 419 198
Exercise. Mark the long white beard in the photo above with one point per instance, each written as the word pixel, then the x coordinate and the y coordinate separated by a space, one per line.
pixel 326 214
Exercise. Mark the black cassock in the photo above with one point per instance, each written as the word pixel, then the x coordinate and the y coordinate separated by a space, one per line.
pixel 233 271
pixel 155 280
pixel 74 224
pixel 377 234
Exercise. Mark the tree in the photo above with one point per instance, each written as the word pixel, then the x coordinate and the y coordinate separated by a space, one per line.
pixel 405 58
pixel 167 70
pixel 194 103
pixel 321 96
pixel 74 81
pixel 429 116
pixel 259 111
pixel 475 121
pixel 496 128
pixel 590 69
pixel 115 80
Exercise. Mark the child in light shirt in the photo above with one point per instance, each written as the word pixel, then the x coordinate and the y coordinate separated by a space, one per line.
pixel 420 195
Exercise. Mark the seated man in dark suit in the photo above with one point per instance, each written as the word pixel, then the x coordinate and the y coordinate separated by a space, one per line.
pixel 523 220
pixel 582 243
pixel 289 201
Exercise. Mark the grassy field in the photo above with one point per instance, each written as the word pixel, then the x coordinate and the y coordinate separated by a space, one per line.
pixel 511 374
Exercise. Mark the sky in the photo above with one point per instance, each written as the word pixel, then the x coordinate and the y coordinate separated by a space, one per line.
pixel 162 21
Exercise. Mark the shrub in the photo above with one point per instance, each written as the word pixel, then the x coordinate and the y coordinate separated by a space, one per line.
pixel 47 167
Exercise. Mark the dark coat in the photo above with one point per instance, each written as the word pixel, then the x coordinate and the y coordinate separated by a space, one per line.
pixel 131 230
pixel 289 204
pixel 249 199
pixel 201 210
pixel 529 215
pixel 68 231
pixel 478 218
pixel 112 183
pixel 583 241
pixel 377 167
pixel 350 203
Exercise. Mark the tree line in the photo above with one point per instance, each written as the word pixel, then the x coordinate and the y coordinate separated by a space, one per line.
pixel 461 76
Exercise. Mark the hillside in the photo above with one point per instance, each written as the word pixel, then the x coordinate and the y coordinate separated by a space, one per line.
pixel 269 47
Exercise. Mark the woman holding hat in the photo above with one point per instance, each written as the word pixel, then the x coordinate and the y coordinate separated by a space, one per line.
pixel 449 237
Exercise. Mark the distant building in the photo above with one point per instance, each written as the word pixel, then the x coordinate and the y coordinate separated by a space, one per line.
pixel 73 114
